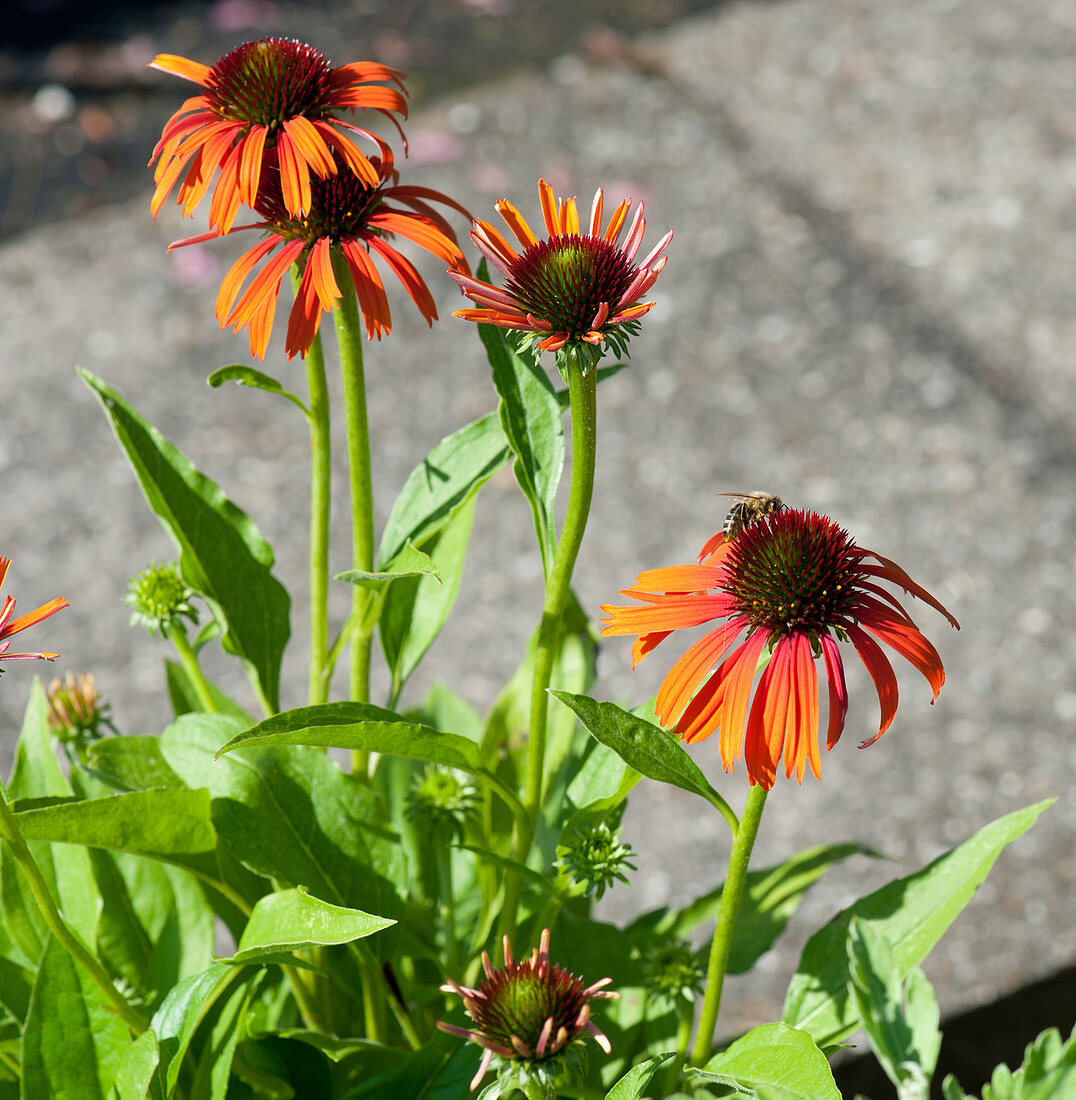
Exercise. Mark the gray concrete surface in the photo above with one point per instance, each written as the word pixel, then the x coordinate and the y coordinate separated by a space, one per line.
pixel 867 309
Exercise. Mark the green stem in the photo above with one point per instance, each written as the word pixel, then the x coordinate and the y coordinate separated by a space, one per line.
pixel 443 857
pixel 189 660
pixel 683 1038
pixel 349 342
pixel 320 510
pixel 9 830
pixel 731 895
pixel 582 396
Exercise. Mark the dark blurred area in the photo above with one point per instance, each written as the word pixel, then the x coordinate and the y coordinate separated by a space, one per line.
pixel 80 112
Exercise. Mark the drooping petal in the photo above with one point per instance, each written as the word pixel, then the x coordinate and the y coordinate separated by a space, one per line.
pixel 838 690
pixel 890 571
pixel 909 643
pixel 881 672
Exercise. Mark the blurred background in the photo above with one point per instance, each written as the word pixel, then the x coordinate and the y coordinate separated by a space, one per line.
pixel 867 309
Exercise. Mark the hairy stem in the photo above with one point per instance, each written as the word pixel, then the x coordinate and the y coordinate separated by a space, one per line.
pixel 731 896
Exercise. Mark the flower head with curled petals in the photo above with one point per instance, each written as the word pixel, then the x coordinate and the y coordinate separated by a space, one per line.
pixel 577 288
pixel 10 626
pixel 271 101
pixel 528 1014
pixel 351 221
pixel 796 583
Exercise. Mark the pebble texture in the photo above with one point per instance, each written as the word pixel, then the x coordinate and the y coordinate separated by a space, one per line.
pixel 866 310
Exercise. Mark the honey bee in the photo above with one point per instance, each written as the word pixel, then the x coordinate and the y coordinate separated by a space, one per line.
pixel 749 508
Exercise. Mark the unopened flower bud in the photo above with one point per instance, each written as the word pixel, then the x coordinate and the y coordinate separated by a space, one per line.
pixel 76 711
pixel 593 858
pixel 158 598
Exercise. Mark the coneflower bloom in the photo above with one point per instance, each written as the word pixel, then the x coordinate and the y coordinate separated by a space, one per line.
pixel 348 217
pixel 573 286
pixel 528 1013
pixel 275 99
pixel 9 626
pixel 796 583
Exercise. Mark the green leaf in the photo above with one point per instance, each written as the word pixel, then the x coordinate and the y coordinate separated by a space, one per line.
pixel 73 1045
pixel 133 1077
pixel 176 1021
pixel 632 1084
pixel 217 1051
pixel 360 726
pixel 415 609
pixel 409 562
pixel 445 480
pixel 901 1022
pixel 65 869
pixel 256 379
pixel 643 746
pixel 602 782
pixel 15 985
pixel 164 824
pixel 441 1070
pixel 131 763
pixel 771 896
pixel 532 422
pixel 911 913
pixel 222 554
pixel 779 1056
pixel 292 920
pixel 184 697
pixel 443 709
pixel 1048 1071
pixel 291 814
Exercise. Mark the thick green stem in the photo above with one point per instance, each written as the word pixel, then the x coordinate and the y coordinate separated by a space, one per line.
pixel 582 394
pixel 731 895
pixel 320 510
pixel 56 924
pixel 189 660
pixel 349 341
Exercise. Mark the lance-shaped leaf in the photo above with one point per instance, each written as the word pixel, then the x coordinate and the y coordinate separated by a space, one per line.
pixel 416 608
pixel 409 562
pixel 442 483
pixel 222 555
pixel 256 379
pixel 292 920
pixel 179 1016
pixel 171 824
pixel 72 1045
pixel 633 1084
pixel 911 913
pixel 531 418
pixel 642 745
pixel 136 1070
pixel 360 726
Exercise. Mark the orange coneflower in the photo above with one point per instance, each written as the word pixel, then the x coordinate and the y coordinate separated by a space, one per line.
pixel 9 626
pixel 275 99
pixel 351 218
pixel 570 287
pixel 797 583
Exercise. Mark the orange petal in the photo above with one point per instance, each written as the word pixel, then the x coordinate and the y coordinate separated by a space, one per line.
pixel 180 66
pixel 909 643
pixel 412 281
pixel 517 223
pixel 838 690
pixel 881 672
